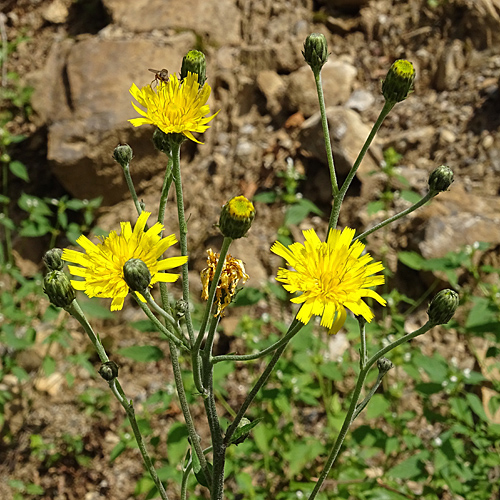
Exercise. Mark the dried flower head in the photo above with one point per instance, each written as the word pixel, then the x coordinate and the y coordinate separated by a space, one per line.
pixel 232 272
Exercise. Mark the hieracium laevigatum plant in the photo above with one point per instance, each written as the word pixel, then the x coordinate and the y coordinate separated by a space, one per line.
pixel 328 274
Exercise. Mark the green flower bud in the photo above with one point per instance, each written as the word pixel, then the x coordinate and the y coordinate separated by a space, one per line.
pixel 441 179
pixel 236 217
pixel 315 51
pixel 108 371
pixel 384 365
pixel 243 422
pixel 443 307
pixel 136 275
pixel 398 83
pixel 58 288
pixel 52 259
pixel 194 62
pixel 123 154
pixel 163 142
pixel 181 308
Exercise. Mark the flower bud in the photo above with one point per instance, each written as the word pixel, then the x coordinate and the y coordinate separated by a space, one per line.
pixel 441 179
pixel 399 81
pixel 384 365
pixel 181 308
pixel 243 422
pixel 443 307
pixel 52 259
pixel 194 62
pixel 123 154
pixel 236 217
pixel 136 275
pixel 108 371
pixel 315 51
pixel 58 288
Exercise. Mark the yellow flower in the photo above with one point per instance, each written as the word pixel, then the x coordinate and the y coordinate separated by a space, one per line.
pixel 232 272
pixel 331 275
pixel 174 106
pixel 102 264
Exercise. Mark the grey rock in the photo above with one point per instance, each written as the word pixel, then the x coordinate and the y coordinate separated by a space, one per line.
pixel 218 22
pixel 360 100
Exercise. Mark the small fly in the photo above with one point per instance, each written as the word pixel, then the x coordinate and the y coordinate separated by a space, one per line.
pixel 161 75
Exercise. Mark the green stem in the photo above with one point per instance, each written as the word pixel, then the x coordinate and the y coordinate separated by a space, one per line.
pixel 131 188
pixel 414 207
pixel 326 133
pixel 167 182
pixel 354 403
pixel 260 354
pixel 170 336
pixel 363 356
pixel 211 411
pixel 168 319
pixel 256 388
pixel 75 310
pixel 129 409
pixel 337 202
pixel 195 353
pixel 176 171
pixel 186 472
pixel 195 439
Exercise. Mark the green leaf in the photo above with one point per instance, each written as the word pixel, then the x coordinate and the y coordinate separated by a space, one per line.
pixel 49 365
pixel 247 296
pixel 411 468
pixel 177 443
pixel 377 406
pixel 19 170
pixel 117 451
pixel 34 489
pixel 413 260
pixel 410 196
pixel 477 406
pixel 266 197
pixel 142 353
pixel 375 206
pixel 244 429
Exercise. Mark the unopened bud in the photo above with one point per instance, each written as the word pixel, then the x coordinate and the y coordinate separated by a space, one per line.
pixel 136 275
pixel 443 307
pixel 243 422
pixel 399 81
pixel 58 288
pixel 108 371
pixel 236 217
pixel 194 62
pixel 181 308
pixel 315 51
pixel 384 365
pixel 441 179
pixel 123 154
pixel 52 259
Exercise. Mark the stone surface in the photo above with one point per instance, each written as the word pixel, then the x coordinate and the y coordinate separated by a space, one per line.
pixel 337 78
pixel 216 22
pixel 347 133
pixel 83 96
pixel 273 87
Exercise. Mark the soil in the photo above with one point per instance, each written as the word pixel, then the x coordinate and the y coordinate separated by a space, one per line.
pixel 456 95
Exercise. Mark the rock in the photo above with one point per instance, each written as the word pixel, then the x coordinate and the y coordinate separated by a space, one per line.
pixel 215 22
pixel 450 66
pixel 337 78
pixel 273 87
pixel 360 100
pixel 454 219
pixel 51 385
pixel 83 95
pixel 349 4
pixel 347 134
pixel 56 12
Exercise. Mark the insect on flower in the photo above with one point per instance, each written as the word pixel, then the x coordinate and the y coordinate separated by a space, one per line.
pixel 161 75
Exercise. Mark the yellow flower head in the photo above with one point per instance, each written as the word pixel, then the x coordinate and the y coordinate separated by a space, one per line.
pixel 174 106
pixel 102 264
pixel 331 275
pixel 232 272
